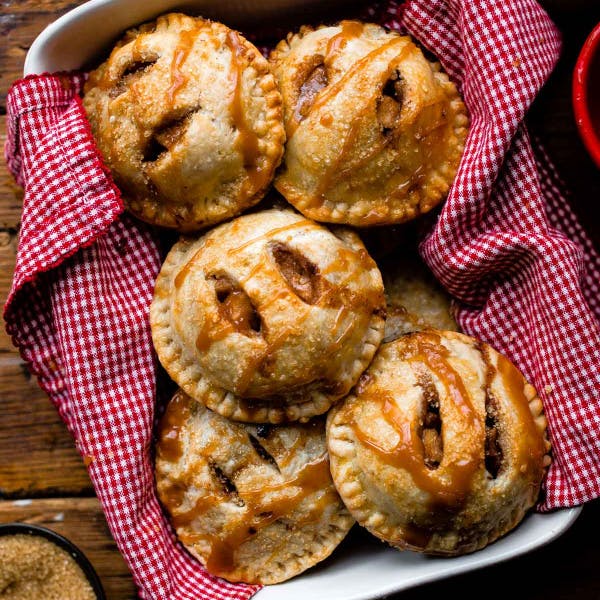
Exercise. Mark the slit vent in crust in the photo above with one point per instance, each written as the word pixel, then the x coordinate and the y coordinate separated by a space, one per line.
pixel 226 483
pixel 166 136
pixel 493 450
pixel 299 272
pixel 431 431
pixel 132 72
pixel 315 81
pixel 389 105
pixel 236 306
pixel 262 451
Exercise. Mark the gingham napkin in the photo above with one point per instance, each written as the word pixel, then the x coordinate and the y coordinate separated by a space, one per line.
pixel 506 245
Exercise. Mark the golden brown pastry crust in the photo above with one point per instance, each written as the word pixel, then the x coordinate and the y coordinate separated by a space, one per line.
pixel 375 132
pixel 188 117
pixel 415 300
pixel 441 448
pixel 270 317
pixel 252 503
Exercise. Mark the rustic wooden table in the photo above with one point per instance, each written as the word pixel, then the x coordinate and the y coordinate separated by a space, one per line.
pixel 42 477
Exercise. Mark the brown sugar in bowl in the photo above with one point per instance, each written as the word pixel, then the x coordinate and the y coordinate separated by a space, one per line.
pixel 37 563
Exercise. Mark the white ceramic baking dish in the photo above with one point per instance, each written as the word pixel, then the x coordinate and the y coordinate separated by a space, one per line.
pixel 361 568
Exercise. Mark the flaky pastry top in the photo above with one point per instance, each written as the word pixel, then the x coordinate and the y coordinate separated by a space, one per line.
pixel 375 131
pixel 415 300
pixel 441 447
pixel 188 117
pixel 253 503
pixel 270 307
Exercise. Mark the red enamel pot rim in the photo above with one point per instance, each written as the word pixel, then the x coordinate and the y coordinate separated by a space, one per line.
pixel 590 134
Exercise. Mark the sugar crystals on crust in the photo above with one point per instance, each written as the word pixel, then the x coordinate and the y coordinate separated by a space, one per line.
pixel 252 503
pixel 442 446
pixel 375 131
pixel 270 317
pixel 188 117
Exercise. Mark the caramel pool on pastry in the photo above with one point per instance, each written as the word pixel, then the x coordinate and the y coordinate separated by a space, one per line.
pixel 441 447
pixel 188 117
pixel 253 503
pixel 270 317
pixel 375 131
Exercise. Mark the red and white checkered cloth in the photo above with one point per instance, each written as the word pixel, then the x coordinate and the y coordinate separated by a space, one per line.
pixel 506 245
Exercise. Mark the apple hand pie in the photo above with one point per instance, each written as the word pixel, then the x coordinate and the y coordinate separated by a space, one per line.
pixel 253 503
pixel 270 317
pixel 441 447
pixel 375 132
pixel 415 300
pixel 187 115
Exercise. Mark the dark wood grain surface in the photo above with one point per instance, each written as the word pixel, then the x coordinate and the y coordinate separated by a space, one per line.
pixel 81 520
pixel 42 477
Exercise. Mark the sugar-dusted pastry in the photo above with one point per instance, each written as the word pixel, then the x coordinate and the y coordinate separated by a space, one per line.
pixel 375 131
pixel 254 503
pixel 415 300
pixel 188 117
pixel 270 317
pixel 441 448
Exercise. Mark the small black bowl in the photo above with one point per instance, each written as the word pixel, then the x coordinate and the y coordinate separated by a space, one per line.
pixel 62 542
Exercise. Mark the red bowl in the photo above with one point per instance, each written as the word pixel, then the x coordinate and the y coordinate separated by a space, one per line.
pixel 586 94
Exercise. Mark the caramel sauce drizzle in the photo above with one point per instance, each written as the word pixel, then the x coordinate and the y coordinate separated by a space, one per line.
pixel 275 297
pixel 290 453
pixel 230 319
pixel 342 337
pixel 169 441
pixel 413 180
pixel 214 331
pixel 253 271
pixel 272 232
pixel 429 148
pixel 451 488
pixel 350 30
pixel 174 495
pixel 531 444
pixel 180 278
pixel 202 505
pixel 260 510
pixel 341 314
pixel 247 141
pixel 252 365
pixel 333 172
pixel 360 65
pixel 178 78
pixel 341 295
pixel 532 447
pixel 258 359
pixel 345 257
